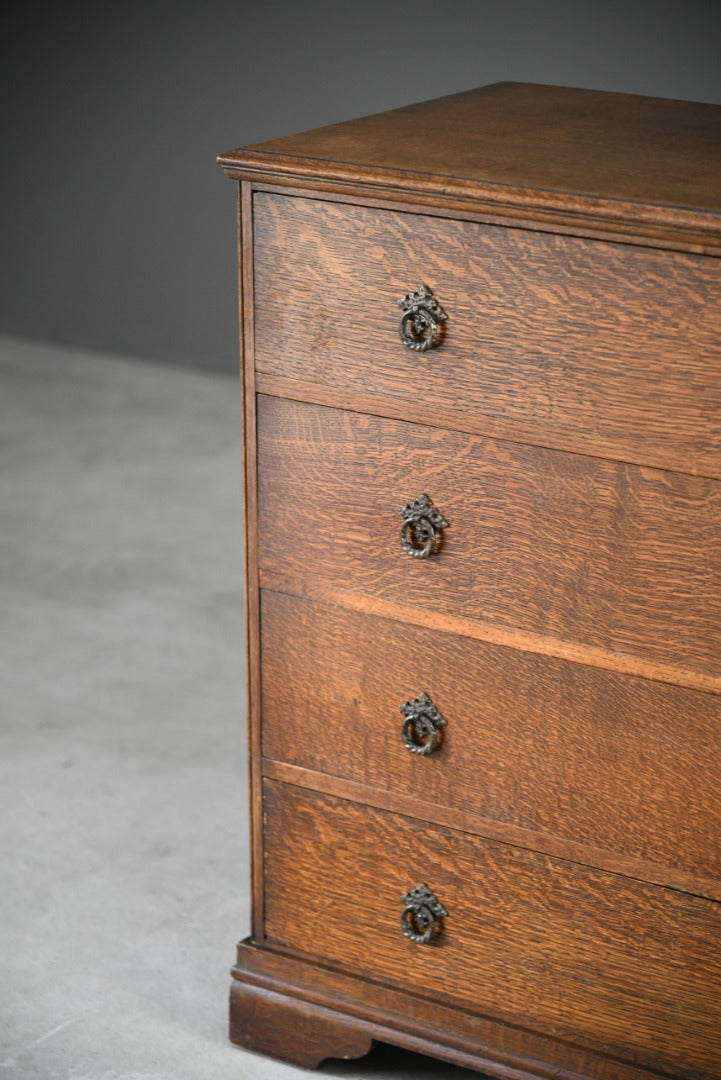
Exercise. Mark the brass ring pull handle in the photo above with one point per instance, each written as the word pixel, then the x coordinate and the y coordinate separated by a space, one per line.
pixel 422 915
pixel 421 730
pixel 420 327
pixel 422 528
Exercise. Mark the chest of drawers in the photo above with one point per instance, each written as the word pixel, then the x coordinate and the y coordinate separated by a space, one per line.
pixel 481 347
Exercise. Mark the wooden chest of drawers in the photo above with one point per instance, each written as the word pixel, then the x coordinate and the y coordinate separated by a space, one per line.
pixel 484 585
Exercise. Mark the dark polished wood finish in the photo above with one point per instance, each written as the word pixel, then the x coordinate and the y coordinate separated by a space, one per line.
pixel 566 623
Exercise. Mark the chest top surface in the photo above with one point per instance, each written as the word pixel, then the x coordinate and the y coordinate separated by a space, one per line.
pixel 603 154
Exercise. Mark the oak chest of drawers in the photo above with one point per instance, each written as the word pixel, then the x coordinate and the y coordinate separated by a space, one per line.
pixel 482 402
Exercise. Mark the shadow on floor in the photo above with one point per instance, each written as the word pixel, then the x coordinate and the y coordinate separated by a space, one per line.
pixel 392 1061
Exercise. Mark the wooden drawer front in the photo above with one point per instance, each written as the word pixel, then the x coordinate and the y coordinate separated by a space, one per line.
pixel 531 743
pixel 548 944
pixel 604 348
pixel 583 550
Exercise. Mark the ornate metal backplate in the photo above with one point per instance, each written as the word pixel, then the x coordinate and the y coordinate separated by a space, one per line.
pixel 422 726
pixel 420 327
pixel 422 527
pixel 422 915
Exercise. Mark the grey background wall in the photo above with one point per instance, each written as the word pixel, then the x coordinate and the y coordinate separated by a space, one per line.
pixel 118 230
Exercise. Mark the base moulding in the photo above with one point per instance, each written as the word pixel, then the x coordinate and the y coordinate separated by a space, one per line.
pixel 303 1013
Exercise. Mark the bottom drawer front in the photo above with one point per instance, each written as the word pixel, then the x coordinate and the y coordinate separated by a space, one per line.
pixel 631 968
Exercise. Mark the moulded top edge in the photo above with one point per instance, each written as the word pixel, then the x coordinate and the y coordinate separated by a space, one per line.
pixel 606 155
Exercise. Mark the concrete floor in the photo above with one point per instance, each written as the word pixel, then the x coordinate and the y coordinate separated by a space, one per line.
pixel 122 790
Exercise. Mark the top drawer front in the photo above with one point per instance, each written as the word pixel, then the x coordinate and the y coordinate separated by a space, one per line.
pixel 580 344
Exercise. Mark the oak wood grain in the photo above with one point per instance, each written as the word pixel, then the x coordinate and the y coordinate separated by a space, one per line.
pixel 422 809
pixel 478 630
pixel 602 346
pixel 602 553
pixel 434 415
pixel 549 748
pixel 558 947
pixel 667 238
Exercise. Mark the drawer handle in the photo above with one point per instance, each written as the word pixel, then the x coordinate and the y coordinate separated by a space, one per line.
pixel 422 726
pixel 422 528
pixel 420 327
pixel 422 915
